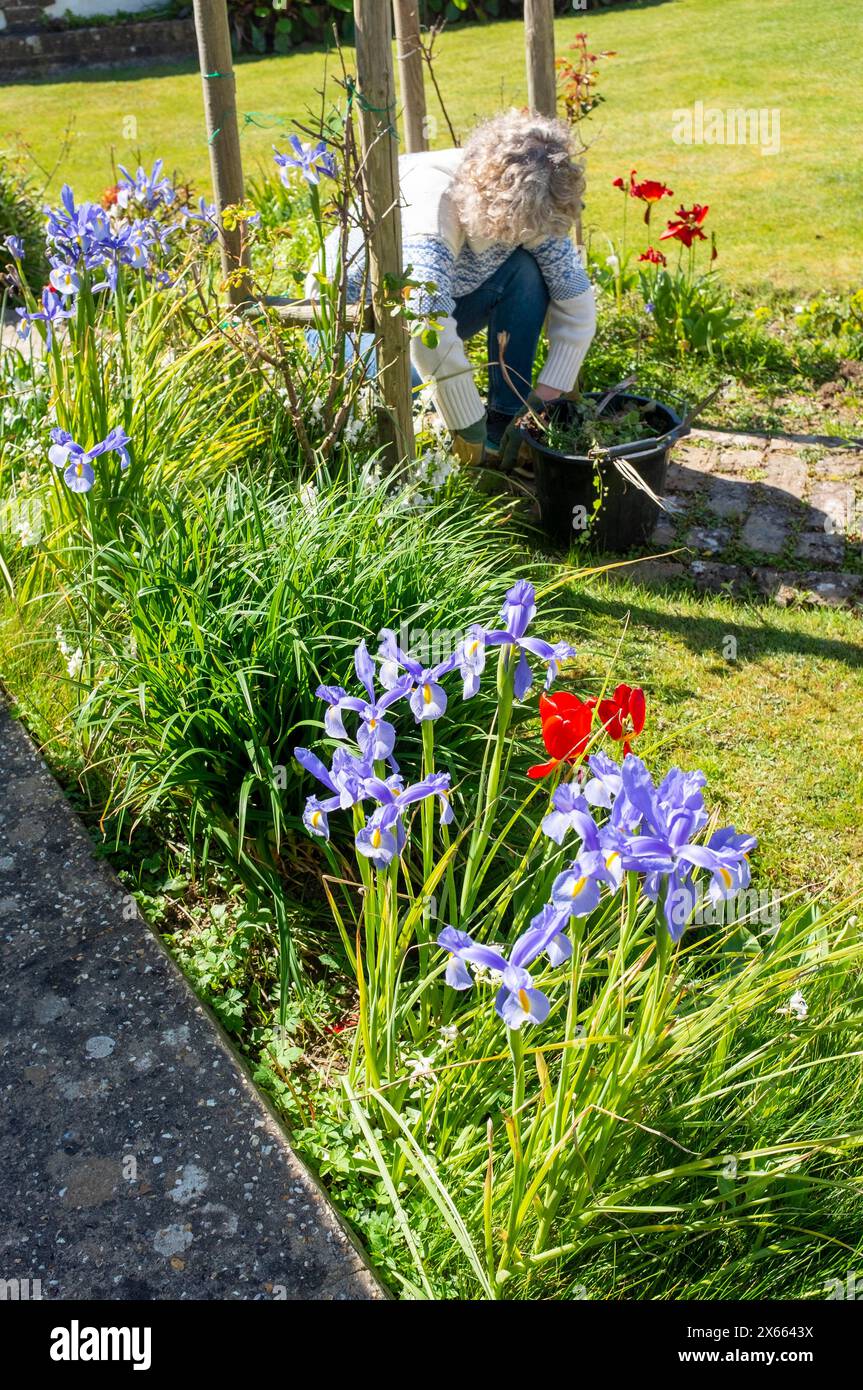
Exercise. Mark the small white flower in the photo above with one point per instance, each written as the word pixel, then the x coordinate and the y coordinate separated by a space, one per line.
pixel 448 1035
pixel 75 663
pixel 612 262
pixel 796 1006
pixel 484 975
pixel 421 1071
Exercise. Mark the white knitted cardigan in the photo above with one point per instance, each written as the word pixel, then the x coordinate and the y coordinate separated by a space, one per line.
pixel 438 250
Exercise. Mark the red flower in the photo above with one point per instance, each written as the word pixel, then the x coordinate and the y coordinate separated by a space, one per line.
pixel 687 226
pixel 648 191
pixel 622 716
pixel 655 257
pixel 694 216
pixel 618 183
pixel 681 231
pixel 109 197
pixel 566 723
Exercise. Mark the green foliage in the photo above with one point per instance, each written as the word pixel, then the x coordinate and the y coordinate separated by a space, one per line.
pixel 21 216
pixel 692 313
pixel 836 319
pixel 588 430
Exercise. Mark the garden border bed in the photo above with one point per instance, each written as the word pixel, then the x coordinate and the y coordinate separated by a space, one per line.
pixel 45 52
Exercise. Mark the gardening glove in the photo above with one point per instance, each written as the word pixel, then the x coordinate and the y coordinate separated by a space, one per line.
pixel 511 440
pixel 468 444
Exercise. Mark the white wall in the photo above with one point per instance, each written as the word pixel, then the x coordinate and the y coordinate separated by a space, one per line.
pixel 91 7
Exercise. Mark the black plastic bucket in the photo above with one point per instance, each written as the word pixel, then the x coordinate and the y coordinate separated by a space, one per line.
pixel 566 485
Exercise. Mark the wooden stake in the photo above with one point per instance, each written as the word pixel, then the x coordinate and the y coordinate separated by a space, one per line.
pixel 377 107
pixel 407 22
pixel 223 136
pixel 539 44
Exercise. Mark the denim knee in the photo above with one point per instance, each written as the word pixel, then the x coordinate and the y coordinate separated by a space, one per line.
pixel 526 279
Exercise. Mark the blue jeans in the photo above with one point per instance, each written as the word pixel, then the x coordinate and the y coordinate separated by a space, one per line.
pixel 513 300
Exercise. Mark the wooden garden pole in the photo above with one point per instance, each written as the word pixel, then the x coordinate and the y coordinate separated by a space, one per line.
pixel 539 44
pixel 541 73
pixel 223 136
pixel 407 22
pixel 376 100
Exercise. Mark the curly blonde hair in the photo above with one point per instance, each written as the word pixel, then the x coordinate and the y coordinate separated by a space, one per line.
pixel 518 180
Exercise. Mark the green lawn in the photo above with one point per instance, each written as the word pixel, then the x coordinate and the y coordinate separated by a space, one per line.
pixel 787 220
pixel 777 728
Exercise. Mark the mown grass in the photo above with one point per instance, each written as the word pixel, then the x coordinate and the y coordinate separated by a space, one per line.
pixel 768 701
pixel 785 220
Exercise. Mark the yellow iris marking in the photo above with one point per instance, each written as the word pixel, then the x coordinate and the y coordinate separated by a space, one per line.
pixel 427 695
pixel 472 647
pixel 523 1000
pixel 316 818
pixel 373 723
pixel 376 839
pixel 577 887
pixel 726 876
pixel 611 858
pixel 79 469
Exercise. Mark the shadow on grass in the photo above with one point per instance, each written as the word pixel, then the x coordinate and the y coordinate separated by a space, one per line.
pixel 704 635
pixel 184 65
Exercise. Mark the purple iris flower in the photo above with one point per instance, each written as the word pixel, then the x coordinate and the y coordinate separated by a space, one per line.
pixel 517 1001
pixel 732 871
pixel 673 815
pixel 345 779
pixel 576 892
pixel 316 815
pixel 15 246
pixel 518 611
pixel 112 273
pixel 569 811
pixel 470 659
pixel 149 190
pixel 604 788
pixel 428 698
pixel 383 837
pixel 76 461
pixel 53 311
pixel 311 160
pixel 208 216
pixel 78 233
pixel 64 279
pixel 375 735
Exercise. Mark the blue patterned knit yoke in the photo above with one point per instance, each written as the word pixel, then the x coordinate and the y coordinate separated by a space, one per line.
pixel 428 258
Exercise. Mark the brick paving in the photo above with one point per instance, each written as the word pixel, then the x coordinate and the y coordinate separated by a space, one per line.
pixel 749 512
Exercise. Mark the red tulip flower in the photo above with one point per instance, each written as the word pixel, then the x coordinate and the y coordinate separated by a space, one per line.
pixel 687 225
pixel 648 191
pixel 566 724
pixel 680 231
pixel 693 216
pixel 622 716
pixel 655 257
